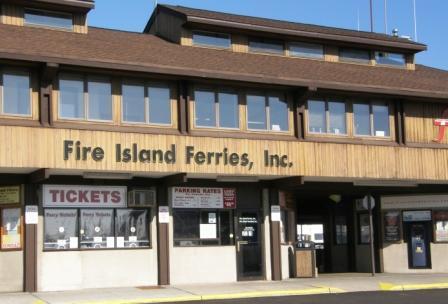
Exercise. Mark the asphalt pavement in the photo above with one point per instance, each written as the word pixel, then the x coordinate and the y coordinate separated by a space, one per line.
pixel 439 296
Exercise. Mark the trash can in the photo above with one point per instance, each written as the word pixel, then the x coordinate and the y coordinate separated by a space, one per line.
pixel 305 255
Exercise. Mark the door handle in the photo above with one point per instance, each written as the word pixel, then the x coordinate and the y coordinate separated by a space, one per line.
pixel 239 243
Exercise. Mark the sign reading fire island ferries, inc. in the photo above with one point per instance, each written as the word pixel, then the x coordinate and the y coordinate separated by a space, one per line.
pixel 84 196
pixel 199 197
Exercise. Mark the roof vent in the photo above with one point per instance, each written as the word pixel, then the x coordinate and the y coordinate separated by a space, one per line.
pixel 395 32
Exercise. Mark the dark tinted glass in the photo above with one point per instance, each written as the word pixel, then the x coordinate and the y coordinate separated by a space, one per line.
pixel 266 46
pixel 97 228
pixel 132 228
pixel 385 58
pixel 310 50
pixel 211 39
pixel 50 19
pixel 346 54
pixel 60 229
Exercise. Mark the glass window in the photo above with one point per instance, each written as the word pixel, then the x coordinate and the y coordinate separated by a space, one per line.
pixel 228 110
pixel 341 230
pixel 50 19
pixel 11 232
pixel 266 46
pixel 132 228
pixel 310 50
pixel 60 229
pixel 211 39
pixel 16 94
pixel 205 109
pixel 364 228
pixel 159 105
pixel 284 226
pixel 380 120
pixel 97 228
pixel 392 227
pixel 133 103
pixel 441 225
pixel 361 114
pixel 100 100
pixel 317 116
pixel 202 227
pixel 385 58
pixel 256 112
pixel 278 113
pixel 346 54
pixel 336 113
pixel 71 98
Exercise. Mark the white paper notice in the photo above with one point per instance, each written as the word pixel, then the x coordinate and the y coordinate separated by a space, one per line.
pixel 73 243
pixel 207 231
pixel 212 218
pixel 120 242
pixel 132 239
pixel 62 243
pixel 31 215
pixel 164 214
pixel 275 214
pixel 110 242
pixel 97 239
pixel 380 133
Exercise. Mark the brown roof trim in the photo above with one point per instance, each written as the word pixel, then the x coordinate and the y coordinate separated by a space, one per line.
pixel 83 5
pixel 308 34
pixel 223 75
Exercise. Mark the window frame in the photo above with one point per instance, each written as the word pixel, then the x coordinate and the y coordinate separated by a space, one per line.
pixel 20 72
pixel 355 60
pixel 44 11
pixel 327 132
pixel 266 41
pixel 399 66
pixel 114 216
pixel 216 93
pixel 370 103
pixel 266 96
pixel 231 214
pixel 204 33
pixel 85 79
pixel 297 43
pixel 22 226
pixel 146 85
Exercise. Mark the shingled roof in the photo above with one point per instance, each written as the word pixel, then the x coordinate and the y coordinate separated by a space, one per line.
pixel 289 28
pixel 103 48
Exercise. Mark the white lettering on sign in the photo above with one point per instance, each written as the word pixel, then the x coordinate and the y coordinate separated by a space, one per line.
pixel 83 196
pixel 198 197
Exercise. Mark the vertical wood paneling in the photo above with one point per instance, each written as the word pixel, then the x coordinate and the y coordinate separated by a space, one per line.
pixel 419 122
pixel 186 37
pixel 331 53
pixel 240 43
pixel 80 23
pixel 12 14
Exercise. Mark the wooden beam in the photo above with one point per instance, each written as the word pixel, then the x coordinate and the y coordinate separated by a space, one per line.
pixel 301 96
pixel 39 176
pixel 48 75
pixel 175 179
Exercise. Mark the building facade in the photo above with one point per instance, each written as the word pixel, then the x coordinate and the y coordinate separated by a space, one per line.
pixel 204 148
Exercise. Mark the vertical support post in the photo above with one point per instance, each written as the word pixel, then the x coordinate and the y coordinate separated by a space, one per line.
pixel 276 262
pixel 372 247
pixel 30 254
pixel 183 101
pixel 163 245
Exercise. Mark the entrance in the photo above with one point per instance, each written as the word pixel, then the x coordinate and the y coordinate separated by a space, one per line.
pixel 248 245
pixel 419 254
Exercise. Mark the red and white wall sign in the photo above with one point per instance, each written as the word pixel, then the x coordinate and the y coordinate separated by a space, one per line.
pixel 199 197
pixel 84 196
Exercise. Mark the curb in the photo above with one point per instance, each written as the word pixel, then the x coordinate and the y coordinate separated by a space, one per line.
pixel 393 287
pixel 227 296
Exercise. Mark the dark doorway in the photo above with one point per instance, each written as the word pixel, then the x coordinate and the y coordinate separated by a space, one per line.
pixel 248 245
pixel 419 253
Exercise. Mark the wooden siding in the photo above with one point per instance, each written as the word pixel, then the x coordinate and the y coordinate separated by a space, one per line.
pixel 12 14
pixel 43 148
pixel 80 23
pixel 419 122
pixel 240 43
pixel 331 53
pixel 187 37
pixel 169 27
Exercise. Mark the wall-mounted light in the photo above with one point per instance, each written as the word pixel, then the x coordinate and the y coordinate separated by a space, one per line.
pixel 335 198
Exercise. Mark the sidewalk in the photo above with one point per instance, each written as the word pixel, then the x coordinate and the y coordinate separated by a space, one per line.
pixel 335 283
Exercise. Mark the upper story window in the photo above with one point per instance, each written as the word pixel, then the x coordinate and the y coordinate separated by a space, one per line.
pixel 216 40
pixel 15 95
pixel 85 98
pixel 393 59
pixel 147 104
pixel 371 119
pixel 267 113
pixel 327 117
pixel 354 55
pixel 216 109
pixel 262 45
pixel 307 50
pixel 48 19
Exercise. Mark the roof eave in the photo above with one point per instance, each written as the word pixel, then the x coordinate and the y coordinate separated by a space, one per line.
pixel 412 47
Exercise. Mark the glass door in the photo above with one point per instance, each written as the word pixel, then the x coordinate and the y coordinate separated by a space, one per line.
pixel 248 246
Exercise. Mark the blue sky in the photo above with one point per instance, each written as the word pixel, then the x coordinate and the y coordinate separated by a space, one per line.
pixel 432 17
